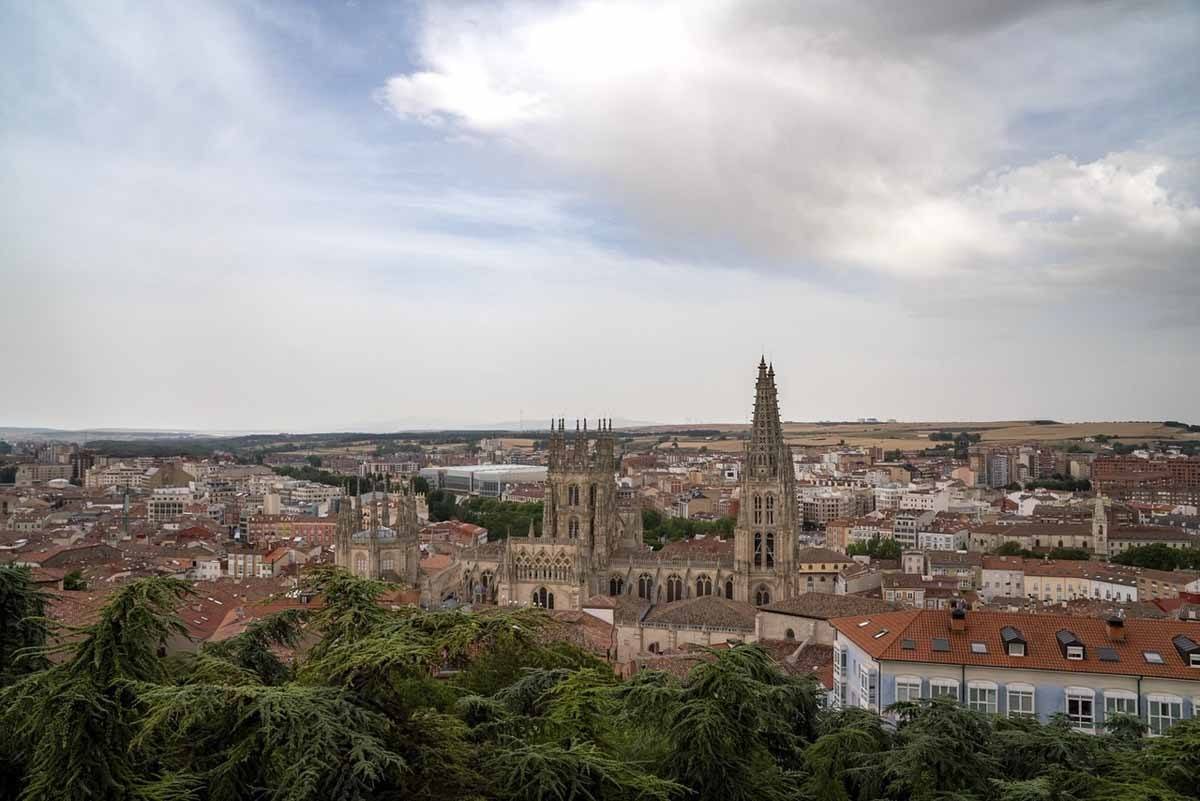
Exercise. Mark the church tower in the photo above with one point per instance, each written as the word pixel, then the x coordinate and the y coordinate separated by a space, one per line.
pixel 765 534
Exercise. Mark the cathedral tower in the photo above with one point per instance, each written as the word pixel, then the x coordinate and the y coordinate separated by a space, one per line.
pixel 765 534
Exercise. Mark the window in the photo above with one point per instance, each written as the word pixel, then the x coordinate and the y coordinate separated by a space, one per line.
pixel 573 528
pixel 1080 708
pixel 757 510
pixel 867 688
pixel 908 688
pixel 770 549
pixel 943 688
pixel 1020 700
pixel 360 566
pixel 1153 657
pixel 1163 712
pixel 789 635
pixel 729 588
pixel 387 564
pixel 615 585
pixel 758 549
pixel 674 588
pixel 543 599
pixel 1119 702
pixel 703 586
pixel 646 587
pixel 979 648
pixel 573 495
pixel 1074 652
pixel 770 510
pixel 762 595
pixel 941 644
pixel 981 697
pixel 839 676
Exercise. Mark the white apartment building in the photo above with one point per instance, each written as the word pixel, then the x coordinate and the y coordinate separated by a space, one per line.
pixel 942 540
pixel 889 496
pixel 168 503
pixel 930 499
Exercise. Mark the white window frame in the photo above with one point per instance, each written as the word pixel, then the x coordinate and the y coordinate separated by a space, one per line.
pixel 943 688
pixel 1119 699
pixel 1022 691
pixel 1155 721
pixel 1081 694
pixel 910 686
pixel 983 688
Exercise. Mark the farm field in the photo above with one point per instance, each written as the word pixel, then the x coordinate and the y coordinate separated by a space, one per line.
pixel 911 436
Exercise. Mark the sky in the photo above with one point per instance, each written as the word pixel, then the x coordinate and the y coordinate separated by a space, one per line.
pixel 371 216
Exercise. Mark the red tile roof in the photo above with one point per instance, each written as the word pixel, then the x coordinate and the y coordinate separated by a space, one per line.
pixel 1042 650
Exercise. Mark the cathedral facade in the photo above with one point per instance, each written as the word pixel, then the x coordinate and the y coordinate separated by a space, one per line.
pixel 590 541
pixel 369 544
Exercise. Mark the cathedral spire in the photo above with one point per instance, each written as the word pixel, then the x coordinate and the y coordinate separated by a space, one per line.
pixel 766 447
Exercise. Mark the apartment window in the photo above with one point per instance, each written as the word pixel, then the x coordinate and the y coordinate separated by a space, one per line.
pixel 981 697
pixel 908 688
pixel 867 688
pixel 1081 708
pixel 1163 712
pixel 943 688
pixel 1020 700
pixel 1119 702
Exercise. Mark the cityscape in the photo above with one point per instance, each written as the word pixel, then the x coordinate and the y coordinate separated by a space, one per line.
pixel 600 400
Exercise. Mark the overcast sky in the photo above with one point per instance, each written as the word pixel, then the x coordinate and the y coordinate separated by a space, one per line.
pixel 256 215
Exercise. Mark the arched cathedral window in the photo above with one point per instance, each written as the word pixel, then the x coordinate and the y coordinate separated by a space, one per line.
pixel 758 549
pixel 770 551
pixel 646 586
pixel 762 595
pixel 703 586
pixel 770 509
pixel 543 599
pixel 729 588
pixel 758 504
pixel 616 585
pixel 573 495
pixel 674 588
pixel 573 528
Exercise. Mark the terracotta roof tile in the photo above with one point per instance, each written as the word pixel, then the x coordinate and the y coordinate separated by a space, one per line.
pixel 1042 653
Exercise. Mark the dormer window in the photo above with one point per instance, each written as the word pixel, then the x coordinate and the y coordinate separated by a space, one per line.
pixel 1014 643
pixel 1189 650
pixel 1071 645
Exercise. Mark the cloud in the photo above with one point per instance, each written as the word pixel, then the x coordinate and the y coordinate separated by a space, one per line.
pixel 832 138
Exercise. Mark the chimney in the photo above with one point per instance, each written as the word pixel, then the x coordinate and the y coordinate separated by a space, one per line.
pixel 1114 628
pixel 958 619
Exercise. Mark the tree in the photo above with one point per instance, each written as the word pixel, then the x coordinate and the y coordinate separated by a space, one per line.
pixel 74 581
pixel 5 448
pixel 1160 556
pixel 420 485
pixel 877 548
pixel 315 461
pixel 23 626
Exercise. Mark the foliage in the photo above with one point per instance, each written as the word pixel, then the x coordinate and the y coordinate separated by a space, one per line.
pixel 1013 548
pixel 443 505
pixel 310 472
pixel 23 626
pixel 658 530
pixel 1060 483
pixel 397 704
pixel 74 581
pixel 1160 556
pixel 877 548
pixel 5 448
pixel 502 519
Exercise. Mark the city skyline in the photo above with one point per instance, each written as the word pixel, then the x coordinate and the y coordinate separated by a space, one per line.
pixel 276 217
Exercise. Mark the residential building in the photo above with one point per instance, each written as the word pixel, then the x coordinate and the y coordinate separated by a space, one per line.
pixel 1021 665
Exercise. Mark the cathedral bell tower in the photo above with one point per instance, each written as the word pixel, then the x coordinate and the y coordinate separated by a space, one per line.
pixel 765 534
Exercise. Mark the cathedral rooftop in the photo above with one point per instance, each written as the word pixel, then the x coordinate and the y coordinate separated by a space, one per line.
pixel 707 610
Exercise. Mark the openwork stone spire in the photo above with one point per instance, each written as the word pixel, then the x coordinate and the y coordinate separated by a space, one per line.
pixel 766 452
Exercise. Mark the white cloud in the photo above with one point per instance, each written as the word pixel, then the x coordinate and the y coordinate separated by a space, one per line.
pixel 826 138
